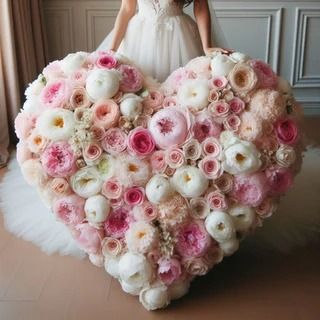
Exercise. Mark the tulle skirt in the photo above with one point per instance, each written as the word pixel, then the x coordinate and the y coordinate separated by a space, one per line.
pixel 159 47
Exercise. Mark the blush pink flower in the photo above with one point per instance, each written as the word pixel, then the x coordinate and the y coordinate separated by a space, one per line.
pixel 58 160
pixel 106 113
pixel 280 180
pixel 217 200
pixel 79 99
pixel 266 76
pixel 214 95
pixel 117 223
pixel 210 167
pixel 250 189
pixel 92 152
pixel 204 127
pixel 79 77
pixel 211 147
pixel 169 101
pixel 134 196
pixel 179 76
pixel 157 161
pixel 106 61
pixel 70 210
pixel 24 124
pixel 169 270
pixel 89 238
pixel 23 153
pixel 131 79
pixel 219 82
pixel 53 70
pixel 174 157
pixel 219 109
pixel 98 132
pixel 112 189
pixel 114 141
pixel 153 100
pixel 140 142
pixel 192 239
pixel 146 212
pixel 232 123
pixel 237 105
pixel 287 131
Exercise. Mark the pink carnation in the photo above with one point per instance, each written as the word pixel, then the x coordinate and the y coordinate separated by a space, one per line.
pixel 89 238
pixel 287 131
pixel 132 79
pixel 58 159
pixel 266 76
pixel 279 179
pixel 169 270
pixel 133 196
pixel 117 223
pixel 140 142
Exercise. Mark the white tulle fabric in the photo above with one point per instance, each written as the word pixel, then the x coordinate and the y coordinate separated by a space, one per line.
pixel 160 38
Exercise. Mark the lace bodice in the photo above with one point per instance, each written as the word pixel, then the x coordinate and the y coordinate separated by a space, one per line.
pixel 159 8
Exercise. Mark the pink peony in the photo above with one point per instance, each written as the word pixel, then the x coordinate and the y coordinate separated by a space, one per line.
pixel 117 223
pixel 266 76
pixel 217 200
pixel 107 61
pixel 114 141
pixel 24 124
pixel 250 189
pixel 89 238
pixel 204 127
pixel 58 159
pixel 287 131
pixel 70 210
pixel 237 105
pixel 169 270
pixel 279 180
pixel 132 79
pixel 133 196
pixel 140 142
pixel 56 94
pixel 106 113
pixel 112 189
pixel 192 239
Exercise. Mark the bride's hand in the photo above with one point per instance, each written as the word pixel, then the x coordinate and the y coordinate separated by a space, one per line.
pixel 210 51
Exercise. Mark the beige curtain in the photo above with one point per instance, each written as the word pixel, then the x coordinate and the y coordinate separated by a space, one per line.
pixel 23 54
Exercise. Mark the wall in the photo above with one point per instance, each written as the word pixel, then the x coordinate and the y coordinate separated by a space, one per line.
pixel 286 34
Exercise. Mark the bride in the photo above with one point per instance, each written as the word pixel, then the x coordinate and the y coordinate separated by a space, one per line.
pixel 160 38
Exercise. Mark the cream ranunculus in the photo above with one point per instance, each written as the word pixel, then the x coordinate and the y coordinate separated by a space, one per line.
pixel 243 217
pixel 189 182
pixel 220 226
pixel 97 209
pixel 158 189
pixel 194 94
pixel 86 182
pixel 73 62
pixel 102 84
pixel 131 106
pixel 241 157
pixel 134 271
pixel 56 124
pixel 286 156
pixel 221 65
pixel 155 297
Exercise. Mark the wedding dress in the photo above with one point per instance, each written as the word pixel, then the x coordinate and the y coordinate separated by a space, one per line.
pixel 160 38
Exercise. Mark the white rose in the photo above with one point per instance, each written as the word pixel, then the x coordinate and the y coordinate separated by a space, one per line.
pixel 135 270
pixel 86 182
pixel 189 182
pixel 178 289
pixel 131 106
pixel 229 247
pixel 221 65
pixel 111 266
pixel 243 217
pixel 155 297
pixel 97 209
pixel 286 156
pixel 220 226
pixel 73 62
pixel 158 189
pixel 239 57
pixel 194 94
pixel 102 84
pixel 241 157
pixel 56 124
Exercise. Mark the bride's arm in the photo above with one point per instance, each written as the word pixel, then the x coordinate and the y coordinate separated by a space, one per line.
pixel 126 12
pixel 203 18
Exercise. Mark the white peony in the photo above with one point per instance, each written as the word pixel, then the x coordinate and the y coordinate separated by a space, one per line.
pixel 189 182
pixel 32 105
pixel 155 297
pixel 130 288
pixel 131 106
pixel 243 217
pixel 135 270
pixel 221 65
pixel 111 265
pixel 86 182
pixel 241 157
pixel 97 209
pixel 229 247
pixel 228 138
pixel 220 226
pixel 194 94
pixel 102 84
pixel 239 57
pixel 34 89
pixel 56 124
pixel 158 189
pixel 73 62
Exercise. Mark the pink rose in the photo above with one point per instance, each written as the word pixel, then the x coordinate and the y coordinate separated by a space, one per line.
pixel 106 113
pixel 266 77
pixel 237 105
pixel 232 123
pixel 133 196
pixel 115 141
pixel 60 187
pixel 196 266
pixel 24 124
pixel 140 142
pixel 279 180
pixel 112 189
pixel 131 80
pixel 192 239
pixel 217 200
pixel 58 159
pixel 70 210
pixel 266 208
pixel 214 95
pixel 56 94
pixel 169 270
pixel 117 223
pixel 219 109
pixel 219 82
pixel 153 100
pixel 79 99
pixel 204 127
pixel 146 212
pixel 250 189
pixel 89 238
pixel 287 131
pixel 106 61
pixel 157 161
pixel 224 183
pixel 53 70
pixel 98 132
pixel 210 167
pixel 211 147
pixel 92 153
pixel 174 157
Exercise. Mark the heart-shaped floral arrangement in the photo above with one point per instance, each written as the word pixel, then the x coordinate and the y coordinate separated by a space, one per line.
pixel 159 182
